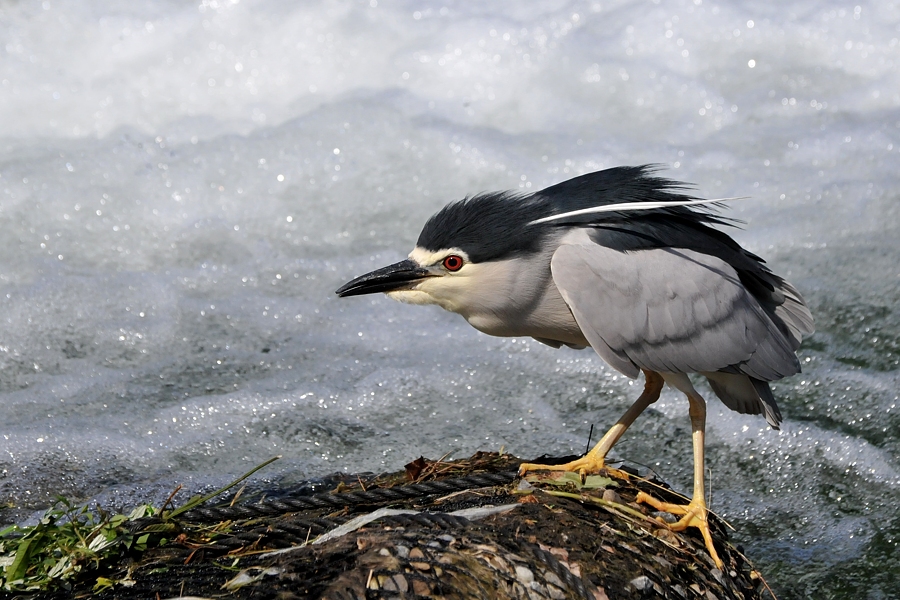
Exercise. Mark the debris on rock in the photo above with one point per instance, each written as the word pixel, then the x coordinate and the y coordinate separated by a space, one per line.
pixel 442 529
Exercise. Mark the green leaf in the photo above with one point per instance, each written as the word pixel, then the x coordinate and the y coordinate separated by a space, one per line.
pixel 61 569
pixel 570 479
pixel 23 554
pixel 144 510
pixel 103 584
pixel 592 482
pixel 160 528
pixel 117 520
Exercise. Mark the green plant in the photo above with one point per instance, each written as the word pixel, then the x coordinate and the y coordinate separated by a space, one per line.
pixel 67 542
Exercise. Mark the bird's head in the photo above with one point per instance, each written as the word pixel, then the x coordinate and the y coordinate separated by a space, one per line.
pixel 463 256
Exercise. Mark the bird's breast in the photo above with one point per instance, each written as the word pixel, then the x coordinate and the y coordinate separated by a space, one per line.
pixel 528 306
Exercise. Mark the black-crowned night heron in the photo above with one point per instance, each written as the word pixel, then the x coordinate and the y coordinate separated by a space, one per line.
pixel 625 262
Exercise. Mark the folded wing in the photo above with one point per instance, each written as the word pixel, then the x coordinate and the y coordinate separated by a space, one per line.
pixel 679 311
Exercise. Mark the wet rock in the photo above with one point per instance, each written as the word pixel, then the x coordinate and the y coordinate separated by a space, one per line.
pixel 557 544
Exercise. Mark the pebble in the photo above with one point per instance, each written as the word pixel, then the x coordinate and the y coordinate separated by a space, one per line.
pixel 641 583
pixel 524 575
pixel 555 593
pixel 612 496
pixel 414 554
pixel 421 588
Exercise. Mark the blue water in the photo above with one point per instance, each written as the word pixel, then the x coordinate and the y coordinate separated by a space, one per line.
pixel 183 186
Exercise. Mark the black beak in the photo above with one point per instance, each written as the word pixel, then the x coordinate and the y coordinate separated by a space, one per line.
pixel 392 277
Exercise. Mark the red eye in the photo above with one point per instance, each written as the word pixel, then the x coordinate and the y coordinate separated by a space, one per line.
pixel 453 263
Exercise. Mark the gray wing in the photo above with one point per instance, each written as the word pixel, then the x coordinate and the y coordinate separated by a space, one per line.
pixel 669 310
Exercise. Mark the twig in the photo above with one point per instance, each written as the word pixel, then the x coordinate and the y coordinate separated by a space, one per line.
pixel 170 498
pixel 195 502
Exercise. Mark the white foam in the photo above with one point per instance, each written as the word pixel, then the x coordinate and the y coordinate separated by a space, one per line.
pixel 182 187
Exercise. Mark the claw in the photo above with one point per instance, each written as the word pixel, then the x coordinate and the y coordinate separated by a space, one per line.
pixel 695 515
pixel 595 460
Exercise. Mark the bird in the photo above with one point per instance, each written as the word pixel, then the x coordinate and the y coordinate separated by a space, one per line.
pixel 630 264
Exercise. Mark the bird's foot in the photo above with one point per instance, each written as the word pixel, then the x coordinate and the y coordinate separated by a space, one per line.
pixel 695 515
pixel 589 464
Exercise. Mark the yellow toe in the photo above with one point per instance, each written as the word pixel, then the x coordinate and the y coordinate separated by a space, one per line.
pixel 586 465
pixel 695 514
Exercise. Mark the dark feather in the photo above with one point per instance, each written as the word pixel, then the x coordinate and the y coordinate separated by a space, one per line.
pixel 492 226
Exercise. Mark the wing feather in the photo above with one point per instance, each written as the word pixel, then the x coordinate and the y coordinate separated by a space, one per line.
pixel 669 310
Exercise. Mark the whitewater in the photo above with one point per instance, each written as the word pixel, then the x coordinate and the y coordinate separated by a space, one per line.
pixel 183 186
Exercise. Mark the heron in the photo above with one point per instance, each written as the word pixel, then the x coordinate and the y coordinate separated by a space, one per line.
pixel 631 264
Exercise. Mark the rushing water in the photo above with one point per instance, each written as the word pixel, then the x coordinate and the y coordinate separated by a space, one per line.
pixel 183 186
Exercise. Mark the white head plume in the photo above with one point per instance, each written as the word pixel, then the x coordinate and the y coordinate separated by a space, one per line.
pixel 628 206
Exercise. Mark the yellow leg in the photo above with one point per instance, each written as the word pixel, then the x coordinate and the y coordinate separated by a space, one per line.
pixel 594 460
pixel 695 513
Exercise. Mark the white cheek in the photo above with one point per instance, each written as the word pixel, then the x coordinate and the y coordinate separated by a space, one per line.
pixel 411 297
